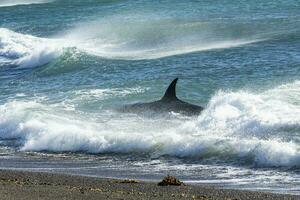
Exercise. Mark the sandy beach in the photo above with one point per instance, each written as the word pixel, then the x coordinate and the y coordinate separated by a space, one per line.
pixel 36 185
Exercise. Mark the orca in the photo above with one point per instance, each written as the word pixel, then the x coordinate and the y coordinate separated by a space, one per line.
pixel 168 103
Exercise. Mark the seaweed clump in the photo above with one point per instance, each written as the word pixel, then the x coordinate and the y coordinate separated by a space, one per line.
pixel 128 181
pixel 170 180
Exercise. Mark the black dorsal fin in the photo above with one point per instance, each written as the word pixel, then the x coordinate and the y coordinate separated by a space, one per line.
pixel 170 93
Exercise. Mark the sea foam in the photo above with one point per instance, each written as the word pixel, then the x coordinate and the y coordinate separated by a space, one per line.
pixel 6 3
pixel 113 40
pixel 256 129
pixel 27 51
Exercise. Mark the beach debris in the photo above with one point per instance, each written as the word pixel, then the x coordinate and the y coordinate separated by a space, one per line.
pixel 81 190
pixel 129 181
pixel 170 180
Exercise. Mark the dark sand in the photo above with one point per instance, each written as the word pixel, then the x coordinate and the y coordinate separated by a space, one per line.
pixel 34 185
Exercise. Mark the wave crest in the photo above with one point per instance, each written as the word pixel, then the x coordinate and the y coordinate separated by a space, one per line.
pixel 146 38
pixel 27 51
pixel 116 39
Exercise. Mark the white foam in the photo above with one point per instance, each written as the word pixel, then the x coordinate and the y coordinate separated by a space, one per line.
pixel 111 38
pixel 240 125
pixel 26 50
pixel 6 3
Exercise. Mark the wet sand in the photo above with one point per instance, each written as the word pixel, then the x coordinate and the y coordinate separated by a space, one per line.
pixel 36 185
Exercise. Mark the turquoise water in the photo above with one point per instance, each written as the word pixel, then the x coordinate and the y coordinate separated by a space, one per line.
pixel 67 66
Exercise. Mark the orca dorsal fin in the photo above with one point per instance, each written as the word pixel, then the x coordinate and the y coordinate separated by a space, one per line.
pixel 170 93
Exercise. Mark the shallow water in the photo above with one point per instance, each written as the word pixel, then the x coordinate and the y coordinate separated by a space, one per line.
pixel 66 66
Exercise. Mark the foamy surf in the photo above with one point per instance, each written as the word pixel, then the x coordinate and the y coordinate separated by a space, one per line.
pixel 106 41
pixel 27 51
pixel 64 76
pixel 242 127
pixel 7 3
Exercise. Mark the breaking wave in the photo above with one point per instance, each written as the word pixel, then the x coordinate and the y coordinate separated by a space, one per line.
pixel 146 39
pixel 257 129
pixel 27 51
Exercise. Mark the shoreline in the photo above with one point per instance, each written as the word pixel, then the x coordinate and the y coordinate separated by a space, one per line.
pixel 46 185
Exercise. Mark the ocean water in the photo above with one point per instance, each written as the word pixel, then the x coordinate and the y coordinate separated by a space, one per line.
pixel 67 65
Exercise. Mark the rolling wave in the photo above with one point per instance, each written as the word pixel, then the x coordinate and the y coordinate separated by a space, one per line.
pixel 148 38
pixel 140 40
pixel 256 129
pixel 27 51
